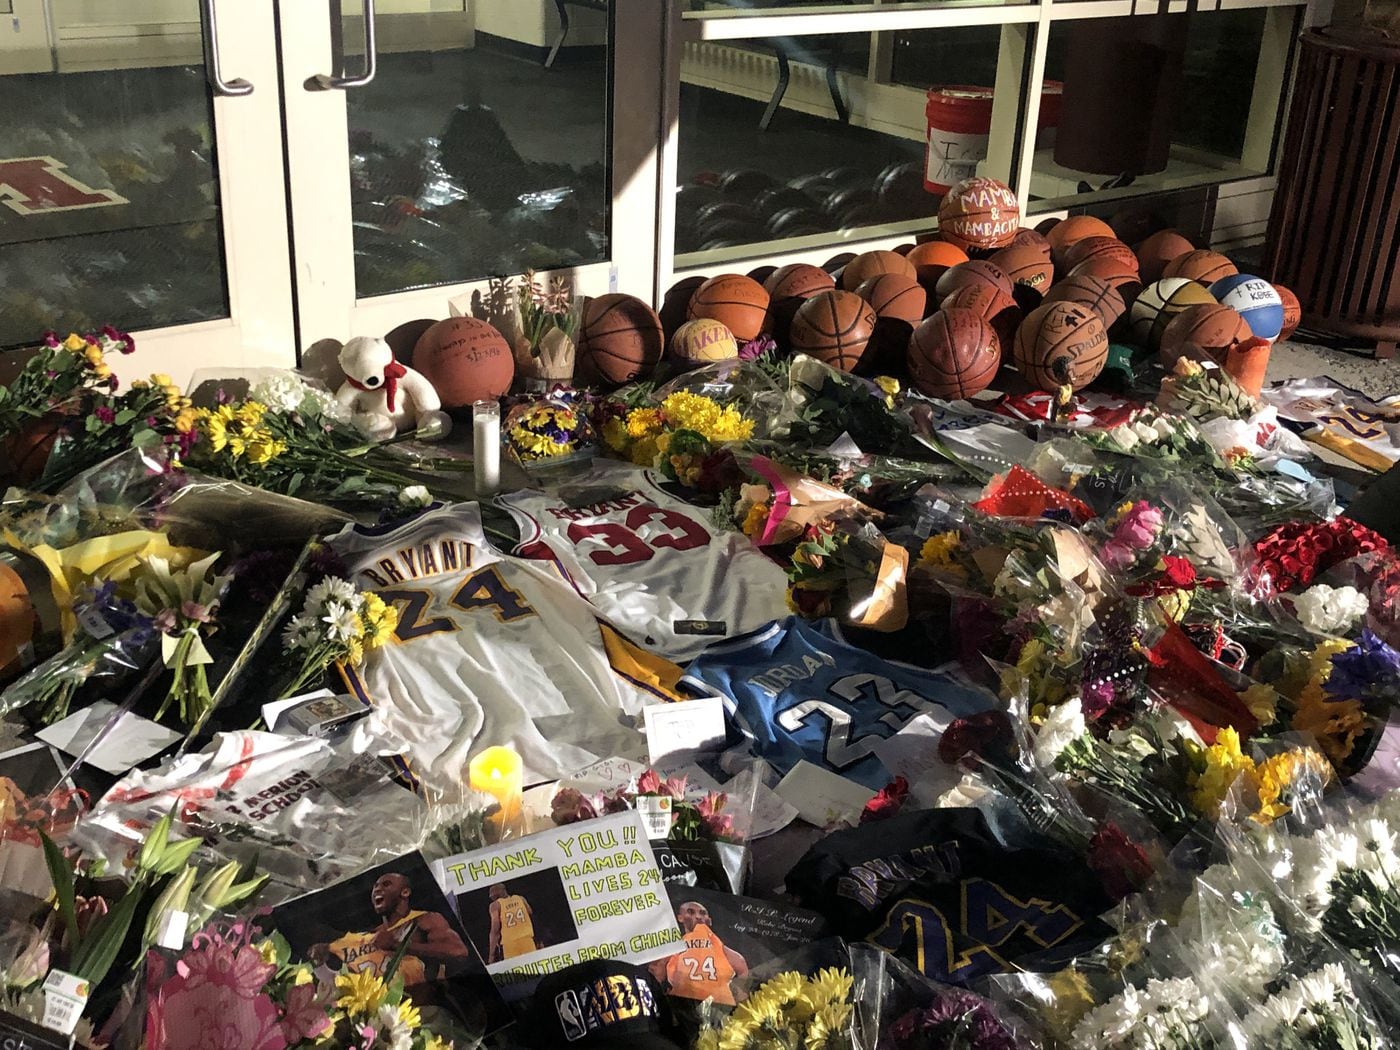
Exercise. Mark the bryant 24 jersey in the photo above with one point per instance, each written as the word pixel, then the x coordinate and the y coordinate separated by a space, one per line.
pixel 649 562
pixel 800 691
pixel 489 650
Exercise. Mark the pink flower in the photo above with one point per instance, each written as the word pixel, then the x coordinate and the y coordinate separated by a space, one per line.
pixel 1138 528
pixel 570 806
pixel 675 787
pixel 305 1015
pixel 89 910
pixel 51 340
pixel 105 413
pixel 649 783
pixel 718 825
pixel 215 1001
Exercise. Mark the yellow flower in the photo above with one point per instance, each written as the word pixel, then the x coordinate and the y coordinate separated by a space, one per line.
pixel 644 452
pixel 643 422
pixel 1224 762
pixel 354 651
pixel 663 443
pixel 1336 724
pixel 759 1010
pixel 434 1042
pixel 161 379
pixel 785 987
pixel 268 951
pixel 302 975
pixel 251 413
pixel 236 445
pixel 707 1040
pixel 408 1013
pixel 102 370
pixel 1262 702
pixel 225 413
pixel 938 549
pixel 361 993
pixel 755 519
pixel 736 1035
pixel 1279 774
pixel 615 434
pixel 92 354
pixel 263 448
pixel 889 384
pixel 829 986
pixel 184 422
pixel 215 432
pixel 74 343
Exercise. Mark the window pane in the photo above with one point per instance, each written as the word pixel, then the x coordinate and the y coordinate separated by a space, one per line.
pixel 841 145
pixel 109 202
pixel 468 156
pixel 1160 104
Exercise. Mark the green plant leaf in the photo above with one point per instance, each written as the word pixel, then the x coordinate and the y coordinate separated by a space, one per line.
pixel 176 856
pixel 97 954
pixel 61 875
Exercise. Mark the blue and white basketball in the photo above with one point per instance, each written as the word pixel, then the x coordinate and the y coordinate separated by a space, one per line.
pixel 1256 301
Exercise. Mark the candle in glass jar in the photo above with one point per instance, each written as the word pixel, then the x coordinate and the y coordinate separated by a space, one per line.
pixel 486 446
pixel 498 772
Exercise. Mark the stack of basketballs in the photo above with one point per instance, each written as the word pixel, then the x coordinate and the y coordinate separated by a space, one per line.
pixel 984 300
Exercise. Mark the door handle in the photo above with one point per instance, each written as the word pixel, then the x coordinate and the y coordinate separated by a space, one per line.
pixel 236 87
pixel 326 82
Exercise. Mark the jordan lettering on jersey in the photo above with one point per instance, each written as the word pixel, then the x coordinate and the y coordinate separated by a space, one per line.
pixel 802 692
pixel 649 562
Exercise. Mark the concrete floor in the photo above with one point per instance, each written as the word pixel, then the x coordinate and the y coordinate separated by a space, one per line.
pixel 1354 368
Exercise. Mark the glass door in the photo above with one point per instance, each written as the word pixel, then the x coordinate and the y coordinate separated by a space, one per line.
pixel 433 144
pixel 135 188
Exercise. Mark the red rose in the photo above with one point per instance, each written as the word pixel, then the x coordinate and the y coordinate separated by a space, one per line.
pixel 981 735
pixel 889 801
pixel 1179 572
pixel 1119 862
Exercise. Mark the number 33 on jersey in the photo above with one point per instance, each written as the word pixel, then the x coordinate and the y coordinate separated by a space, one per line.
pixel 648 561
pixel 802 692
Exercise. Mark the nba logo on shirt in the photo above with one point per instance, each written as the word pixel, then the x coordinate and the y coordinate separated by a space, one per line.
pixel 570 1016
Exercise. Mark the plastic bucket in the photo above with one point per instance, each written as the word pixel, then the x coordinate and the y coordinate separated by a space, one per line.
pixel 959 122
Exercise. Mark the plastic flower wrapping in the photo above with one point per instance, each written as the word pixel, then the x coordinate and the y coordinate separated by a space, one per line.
pixel 550 430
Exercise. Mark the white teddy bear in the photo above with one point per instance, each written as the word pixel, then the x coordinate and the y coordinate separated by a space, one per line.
pixel 384 397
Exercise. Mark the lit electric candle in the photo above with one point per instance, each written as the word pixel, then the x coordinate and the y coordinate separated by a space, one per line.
pixel 486 446
pixel 498 772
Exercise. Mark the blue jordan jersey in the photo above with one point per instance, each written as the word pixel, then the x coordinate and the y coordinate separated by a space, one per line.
pixel 799 690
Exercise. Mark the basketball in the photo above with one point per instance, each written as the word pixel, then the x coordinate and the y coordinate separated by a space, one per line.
pixel 953 354
pixel 1202 265
pixel 466 360
pixel 993 305
pixel 735 301
pixel 620 339
pixel 1292 311
pixel 1027 266
pixel 1061 343
pixel 1158 303
pixel 1212 327
pixel 761 274
pixel 1094 292
pixel 1256 300
pixel 895 296
pixel 703 340
pixel 1118 272
pixel 979 213
pixel 1104 248
pixel 26 451
pixel 1161 248
pixel 978 271
pixel 933 259
pixel 675 308
pixel 1067 232
pixel 871 264
pixel 797 281
pixel 836 262
pixel 834 327
pixel 1025 235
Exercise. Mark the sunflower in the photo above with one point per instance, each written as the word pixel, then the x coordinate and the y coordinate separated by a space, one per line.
pixel 361 993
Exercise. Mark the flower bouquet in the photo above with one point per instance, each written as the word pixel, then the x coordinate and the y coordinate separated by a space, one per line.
pixel 550 431
pixel 336 624
pixel 789 1012
pixel 183 605
pixel 682 437
pixel 548 318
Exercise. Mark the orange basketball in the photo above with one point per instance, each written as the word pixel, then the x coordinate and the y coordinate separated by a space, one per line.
pixel 1161 248
pixel 466 360
pixel 1213 327
pixel 1025 235
pixel 735 301
pixel 1061 343
pixel 1066 232
pixel 797 281
pixel 871 264
pixel 1027 266
pixel 993 305
pixel 1111 248
pixel 26 450
pixel 895 296
pixel 1200 265
pixel 1292 312
pixel 834 327
pixel 1121 273
pixel 1094 292
pixel 675 308
pixel 620 339
pixel 932 259
pixel 953 354
pixel 979 213
pixel 978 271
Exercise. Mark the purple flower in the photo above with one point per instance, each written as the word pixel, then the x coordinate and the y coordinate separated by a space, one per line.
pixel 1097 698
pixel 52 341
pixel 1369 669
pixel 757 347
pixel 106 414
pixel 955 1018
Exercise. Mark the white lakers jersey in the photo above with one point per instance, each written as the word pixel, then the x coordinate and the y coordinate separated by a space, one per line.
pixel 489 650
pixel 649 561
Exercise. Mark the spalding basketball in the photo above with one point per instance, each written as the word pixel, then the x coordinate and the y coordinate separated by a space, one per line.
pixel 978 271
pixel 1027 266
pixel 1106 248
pixel 675 308
pixel 834 327
pixel 895 296
pixel 1210 326
pixel 1158 304
pixel 933 259
pixel 953 354
pixel 871 264
pixel 1025 235
pixel 1292 311
pixel 797 281
pixel 1061 343
pixel 993 305
pixel 735 301
pixel 1118 272
pixel 1256 300
pixel 1067 232
pixel 466 360
pixel 702 341
pixel 1161 248
pixel 1201 265
pixel 979 213
pixel 620 339
pixel 1094 292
